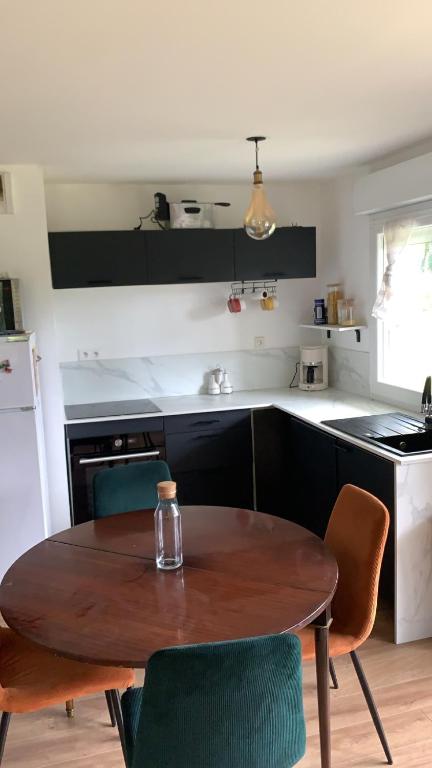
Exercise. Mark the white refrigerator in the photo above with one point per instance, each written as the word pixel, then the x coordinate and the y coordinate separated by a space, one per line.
pixel 23 491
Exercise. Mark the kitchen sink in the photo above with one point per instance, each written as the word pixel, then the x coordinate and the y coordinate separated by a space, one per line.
pixel 396 432
pixel 414 443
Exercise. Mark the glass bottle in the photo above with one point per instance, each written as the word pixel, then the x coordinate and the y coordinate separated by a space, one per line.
pixel 168 536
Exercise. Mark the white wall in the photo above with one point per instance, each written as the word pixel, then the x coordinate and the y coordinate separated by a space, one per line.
pixel 348 250
pixel 405 183
pixel 24 254
pixel 152 320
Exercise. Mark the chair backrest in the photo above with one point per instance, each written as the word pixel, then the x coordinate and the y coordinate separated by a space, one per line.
pixel 234 704
pixel 356 534
pixel 128 487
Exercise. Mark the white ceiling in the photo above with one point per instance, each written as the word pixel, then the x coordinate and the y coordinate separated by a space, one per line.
pixel 134 90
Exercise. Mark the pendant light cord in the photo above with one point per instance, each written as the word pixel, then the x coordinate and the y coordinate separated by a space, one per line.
pixel 256 155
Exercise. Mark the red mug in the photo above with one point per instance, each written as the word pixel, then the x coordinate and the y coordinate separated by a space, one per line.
pixel 234 304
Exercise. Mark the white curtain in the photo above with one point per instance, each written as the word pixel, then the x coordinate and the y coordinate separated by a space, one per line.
pixel 396 237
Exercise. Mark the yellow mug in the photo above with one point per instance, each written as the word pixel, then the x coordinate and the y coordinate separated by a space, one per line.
pixel 268 304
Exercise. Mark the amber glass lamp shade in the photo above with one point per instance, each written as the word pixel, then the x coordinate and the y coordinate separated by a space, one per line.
pixel 260 219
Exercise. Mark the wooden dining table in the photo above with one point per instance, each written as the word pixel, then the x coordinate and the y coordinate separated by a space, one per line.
pixel 93 592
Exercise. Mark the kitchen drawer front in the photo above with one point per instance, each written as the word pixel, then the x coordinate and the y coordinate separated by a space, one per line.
pixel 197 422
pixel 208 450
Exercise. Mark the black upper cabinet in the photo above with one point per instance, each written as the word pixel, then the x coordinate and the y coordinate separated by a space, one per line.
pixel 86 259
pixel 90 259
pixel 289 253
pixel 190 256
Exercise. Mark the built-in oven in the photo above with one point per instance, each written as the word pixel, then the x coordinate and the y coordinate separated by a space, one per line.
pixel 92 446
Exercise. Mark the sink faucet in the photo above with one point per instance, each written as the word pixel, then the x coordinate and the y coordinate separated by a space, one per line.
pixel 426 403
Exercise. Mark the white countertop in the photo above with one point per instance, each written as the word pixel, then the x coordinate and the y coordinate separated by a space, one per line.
pixel 312 407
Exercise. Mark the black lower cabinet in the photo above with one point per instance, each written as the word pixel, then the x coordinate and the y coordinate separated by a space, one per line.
pixel 271 429
pixel 224 487
pixel 313 476
pixel 295 469
pixel 376 475
pixel 300 469
pixel 359 467
pixel 212 466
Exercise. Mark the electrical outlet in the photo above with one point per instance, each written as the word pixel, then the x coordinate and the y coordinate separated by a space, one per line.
pixel 88 354
pixel 259 342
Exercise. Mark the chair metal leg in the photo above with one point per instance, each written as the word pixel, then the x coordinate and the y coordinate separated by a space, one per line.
pixel 70 707
pixel 110 708
pixel 323 691
pixel 333 674
pixel 371 705
pixel 4 726
pixel 115 698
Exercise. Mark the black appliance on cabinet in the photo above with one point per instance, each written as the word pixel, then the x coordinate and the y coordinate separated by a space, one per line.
pixel 92 446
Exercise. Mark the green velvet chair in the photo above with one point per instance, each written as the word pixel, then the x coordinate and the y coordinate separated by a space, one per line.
pixel 128 487
pixel 235 704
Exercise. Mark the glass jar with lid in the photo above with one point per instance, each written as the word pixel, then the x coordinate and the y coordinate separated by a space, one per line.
pixel 334 293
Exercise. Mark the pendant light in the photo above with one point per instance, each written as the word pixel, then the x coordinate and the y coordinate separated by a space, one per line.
pixel 260 220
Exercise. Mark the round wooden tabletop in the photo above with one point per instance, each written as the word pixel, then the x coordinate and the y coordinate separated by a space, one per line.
pixel 93 592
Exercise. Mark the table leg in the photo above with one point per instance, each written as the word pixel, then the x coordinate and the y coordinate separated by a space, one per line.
pixel 323 689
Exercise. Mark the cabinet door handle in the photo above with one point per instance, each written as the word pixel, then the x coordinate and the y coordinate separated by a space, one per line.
pixel 206 436
pixel 200 423
pixel 189 278
pixel 274 274
pixel 99 282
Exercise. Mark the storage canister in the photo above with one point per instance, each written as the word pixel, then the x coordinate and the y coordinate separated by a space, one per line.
pixel 334 293
pixel 345 308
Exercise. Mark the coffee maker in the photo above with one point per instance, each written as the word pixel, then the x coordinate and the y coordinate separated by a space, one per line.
pixel 313 368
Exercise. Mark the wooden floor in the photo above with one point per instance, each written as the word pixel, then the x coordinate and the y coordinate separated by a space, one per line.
pixel 400 676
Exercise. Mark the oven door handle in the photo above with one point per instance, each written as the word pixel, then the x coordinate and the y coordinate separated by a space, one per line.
pixel 120 457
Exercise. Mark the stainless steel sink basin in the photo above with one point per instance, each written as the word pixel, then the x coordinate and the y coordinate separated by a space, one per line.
pixel 418 443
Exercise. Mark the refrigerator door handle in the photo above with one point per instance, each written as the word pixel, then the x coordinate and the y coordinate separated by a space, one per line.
pixel 21 409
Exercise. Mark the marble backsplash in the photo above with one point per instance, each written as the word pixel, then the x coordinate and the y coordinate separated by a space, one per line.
pixel 349 370
pixel 173 375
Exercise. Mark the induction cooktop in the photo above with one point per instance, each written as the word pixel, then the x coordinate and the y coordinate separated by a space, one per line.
pixel 118 408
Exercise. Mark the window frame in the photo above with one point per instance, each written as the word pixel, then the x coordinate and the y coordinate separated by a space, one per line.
pixel 422 213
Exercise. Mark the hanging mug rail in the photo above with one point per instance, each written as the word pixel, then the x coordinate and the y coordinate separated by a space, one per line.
pixel 253 287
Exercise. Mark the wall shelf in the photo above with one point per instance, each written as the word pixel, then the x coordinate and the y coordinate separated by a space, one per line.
pixel 337 328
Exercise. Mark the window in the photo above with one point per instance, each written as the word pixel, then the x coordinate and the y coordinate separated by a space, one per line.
pixel 403 354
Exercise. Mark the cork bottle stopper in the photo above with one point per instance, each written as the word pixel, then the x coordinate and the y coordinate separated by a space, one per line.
pixel 167 489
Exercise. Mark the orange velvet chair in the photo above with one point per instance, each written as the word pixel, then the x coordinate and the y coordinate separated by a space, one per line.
pixel 32 678
pixel 356 534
